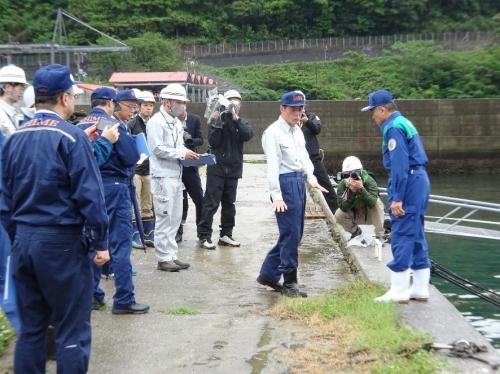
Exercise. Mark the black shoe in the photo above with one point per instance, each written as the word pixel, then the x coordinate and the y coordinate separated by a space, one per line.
pixel 131 309
pixel 168 266
pixel 178 237
pixel 265 282
pixel 290 287
pixel 358 232
pixel 97 304
pixel 182 265
pixel 50 343
pixel 149 243
pixel 292 290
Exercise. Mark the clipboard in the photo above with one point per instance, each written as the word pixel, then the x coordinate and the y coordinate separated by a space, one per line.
pixel 206 159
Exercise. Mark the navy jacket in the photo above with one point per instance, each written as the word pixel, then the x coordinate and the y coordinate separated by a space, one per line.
pixel 311 130
pixel 124 156
pixel 50 178
pixel 193 128
pixel 137 126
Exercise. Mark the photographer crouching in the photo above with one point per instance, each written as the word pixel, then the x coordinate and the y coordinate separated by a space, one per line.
pixel 226 134
pixel 358 200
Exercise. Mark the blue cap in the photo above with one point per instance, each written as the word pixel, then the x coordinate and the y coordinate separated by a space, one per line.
pixel 126 95
pixel 103 93
pixel 52 80
pixel 293 98
pixel 377 98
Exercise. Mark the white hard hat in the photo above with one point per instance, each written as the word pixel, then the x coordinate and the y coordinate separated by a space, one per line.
pixel 146 97
pixel 137 92
pixel 29 97
pixel 351 163
pixel 174 91
pixel 231 94
pixel 76 90
pixel 12 74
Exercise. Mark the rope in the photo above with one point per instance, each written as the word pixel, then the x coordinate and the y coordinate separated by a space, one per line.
pixel 473 288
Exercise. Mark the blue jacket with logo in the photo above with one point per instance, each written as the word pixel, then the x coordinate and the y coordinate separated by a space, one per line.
pixel 50 178
pixel 402 150
pixel 124 154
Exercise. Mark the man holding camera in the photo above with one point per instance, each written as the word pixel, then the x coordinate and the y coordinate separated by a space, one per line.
pixel 311 127
pixel 408 192
pixel 358 200
pixel 193 138
pixel 226 135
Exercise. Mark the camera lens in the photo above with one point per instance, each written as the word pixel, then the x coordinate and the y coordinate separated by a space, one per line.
pixel 354 175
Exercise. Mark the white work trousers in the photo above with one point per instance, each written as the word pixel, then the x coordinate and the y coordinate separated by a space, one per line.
pixel 167 201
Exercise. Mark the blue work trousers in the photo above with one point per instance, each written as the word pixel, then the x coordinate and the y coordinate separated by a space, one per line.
pixel 119 209
pixel 283 257
pixel 7 288
pixel 409 246
pixel 53 278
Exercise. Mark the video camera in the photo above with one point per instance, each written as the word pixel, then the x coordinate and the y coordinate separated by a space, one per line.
pixel 188 139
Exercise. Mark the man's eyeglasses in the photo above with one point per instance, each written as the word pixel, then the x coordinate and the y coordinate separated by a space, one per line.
pixel 130 106
pixel 73 95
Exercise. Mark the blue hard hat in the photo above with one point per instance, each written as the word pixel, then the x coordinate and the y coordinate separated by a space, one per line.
pixel 293 98
pixel 52 80
pixel 126 95
pixel 377 98
pixel 103 93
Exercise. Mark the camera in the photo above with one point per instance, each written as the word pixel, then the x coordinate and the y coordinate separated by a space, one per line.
pixel 354 175
pixel 188 139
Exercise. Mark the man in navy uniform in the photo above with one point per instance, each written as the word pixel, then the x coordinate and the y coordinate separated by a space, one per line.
pixel 408 195
pixel 52 188
pixel 117 173
pixel 193 138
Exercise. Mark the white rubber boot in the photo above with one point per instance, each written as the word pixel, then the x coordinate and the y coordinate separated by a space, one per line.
pixel 400 288
pixel 419 290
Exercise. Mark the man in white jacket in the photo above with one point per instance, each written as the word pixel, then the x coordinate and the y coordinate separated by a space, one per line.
pixel 12 84
pixel 166 143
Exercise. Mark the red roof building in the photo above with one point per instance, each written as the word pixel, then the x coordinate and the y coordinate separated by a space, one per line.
pixel 196 85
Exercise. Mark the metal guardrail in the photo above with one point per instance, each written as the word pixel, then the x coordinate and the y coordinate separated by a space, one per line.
pixel 459 226
pixel 332 43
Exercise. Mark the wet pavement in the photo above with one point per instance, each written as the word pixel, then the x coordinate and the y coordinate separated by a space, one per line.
pixel 232 332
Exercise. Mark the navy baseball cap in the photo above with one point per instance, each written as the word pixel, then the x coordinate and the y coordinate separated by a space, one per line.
pixel 126 95
pixel 103 93
pixel 293 98
pixel 377 98
pixel 52 80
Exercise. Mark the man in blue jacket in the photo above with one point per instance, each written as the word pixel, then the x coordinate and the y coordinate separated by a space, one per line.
pixel 52 188
pixel 117 173
pixel 408 195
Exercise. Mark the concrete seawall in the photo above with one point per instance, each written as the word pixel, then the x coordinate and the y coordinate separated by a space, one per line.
pixel 460 136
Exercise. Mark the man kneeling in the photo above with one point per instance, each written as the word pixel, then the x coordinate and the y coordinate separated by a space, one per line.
pixel 358 200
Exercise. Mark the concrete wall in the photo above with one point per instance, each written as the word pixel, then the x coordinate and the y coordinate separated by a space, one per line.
pixel 459 135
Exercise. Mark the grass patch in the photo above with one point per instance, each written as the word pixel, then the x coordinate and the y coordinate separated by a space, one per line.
pixel 6 333
pixel 181 311
pixel 352 332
